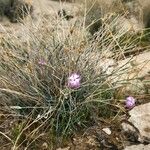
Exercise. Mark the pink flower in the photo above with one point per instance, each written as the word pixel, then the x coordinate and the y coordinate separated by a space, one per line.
pixel 42 62
pixel 130 102
pixel 74 81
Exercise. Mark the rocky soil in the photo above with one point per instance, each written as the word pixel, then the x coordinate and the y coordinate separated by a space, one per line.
pixel 134 133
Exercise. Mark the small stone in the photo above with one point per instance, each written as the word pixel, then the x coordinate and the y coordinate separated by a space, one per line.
pixel 44 146
pixel 107 130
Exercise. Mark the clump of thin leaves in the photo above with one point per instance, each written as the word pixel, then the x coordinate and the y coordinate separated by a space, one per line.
pixel 35 72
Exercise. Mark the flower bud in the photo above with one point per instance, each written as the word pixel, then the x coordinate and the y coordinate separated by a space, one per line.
pixel 130 102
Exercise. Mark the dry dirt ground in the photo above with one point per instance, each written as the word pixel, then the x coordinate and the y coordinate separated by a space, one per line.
pixel 46 8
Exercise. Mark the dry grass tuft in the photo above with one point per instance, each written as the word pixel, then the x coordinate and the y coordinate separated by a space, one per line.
pixel 34 73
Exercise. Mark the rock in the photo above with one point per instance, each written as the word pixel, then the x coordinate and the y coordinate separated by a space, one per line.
pixel 132 72
pixel 63 14
pixel 138 66
pixel 107 130
pixel 140 120
pixel 15 10
pixel 44 146
pixel 138 147
pixel 136 19
pixel 130 133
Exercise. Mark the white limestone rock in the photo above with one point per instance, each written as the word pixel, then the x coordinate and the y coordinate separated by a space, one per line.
pixel 138 147
pixel 140 119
